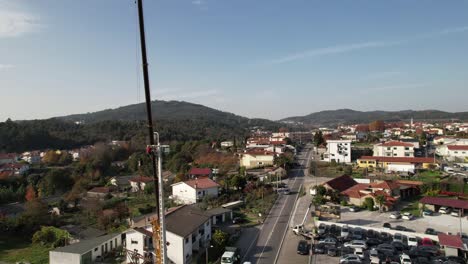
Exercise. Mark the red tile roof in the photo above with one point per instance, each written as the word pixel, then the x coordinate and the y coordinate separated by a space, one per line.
pixel 202 183
pixel 389 185
pixel 395 144
pixel 354 191
pixel 282 142
pixel 258 152
pixel 341 183
pixel 200 171
pixel 452 241
pixel 8 156
pixel 460 204
pixel 398 159
pixel 409 183
pixel 457 147
pixel 141 179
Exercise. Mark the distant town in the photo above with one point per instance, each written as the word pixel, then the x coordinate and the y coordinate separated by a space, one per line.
pixel 375 192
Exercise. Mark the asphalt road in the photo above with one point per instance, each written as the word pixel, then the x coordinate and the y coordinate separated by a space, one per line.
pixel 264 249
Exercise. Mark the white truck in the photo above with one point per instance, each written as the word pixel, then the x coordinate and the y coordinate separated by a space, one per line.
pixel 299 230
pixel 230 256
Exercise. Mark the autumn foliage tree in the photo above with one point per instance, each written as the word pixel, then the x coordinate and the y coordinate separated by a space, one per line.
pixel 377 125
pixel 30 193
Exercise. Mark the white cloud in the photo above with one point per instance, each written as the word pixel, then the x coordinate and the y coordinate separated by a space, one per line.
pixel 359 46
pixel 16 23
pixel 6 67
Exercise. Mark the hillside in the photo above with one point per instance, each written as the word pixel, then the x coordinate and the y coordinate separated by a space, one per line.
pixel 348 116
pixel 175 121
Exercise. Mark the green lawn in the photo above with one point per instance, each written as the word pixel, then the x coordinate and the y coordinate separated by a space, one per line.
pixel 429 176
pixel 14 249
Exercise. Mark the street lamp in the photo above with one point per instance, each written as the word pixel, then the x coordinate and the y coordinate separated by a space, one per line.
pixel 206 251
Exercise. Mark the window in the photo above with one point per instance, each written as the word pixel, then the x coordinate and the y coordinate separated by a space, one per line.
pixel 406 148
pixel 394 148
pixel 95 249
pixel 186 240
pixel 111 244
pixel 389 148
pixel 134 242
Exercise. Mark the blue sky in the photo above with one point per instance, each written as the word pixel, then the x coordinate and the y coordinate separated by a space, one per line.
pixel 259 58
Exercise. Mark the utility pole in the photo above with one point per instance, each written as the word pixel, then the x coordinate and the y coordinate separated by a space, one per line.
pixel 158 224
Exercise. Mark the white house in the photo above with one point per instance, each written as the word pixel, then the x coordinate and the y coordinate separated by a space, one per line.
pixel 189 192
pixel 138 183
pixel 338 150
pixel 188 231
pixel 257 158
pixel 457 152
pixel 394 149
pixel 86 251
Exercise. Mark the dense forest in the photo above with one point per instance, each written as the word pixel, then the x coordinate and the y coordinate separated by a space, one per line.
pixel 186 122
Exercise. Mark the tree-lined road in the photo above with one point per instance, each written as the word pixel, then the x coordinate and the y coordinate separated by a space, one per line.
pixel 265 247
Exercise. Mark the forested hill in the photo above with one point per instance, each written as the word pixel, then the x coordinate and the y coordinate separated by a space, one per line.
pixel 178 121
pixel 348 116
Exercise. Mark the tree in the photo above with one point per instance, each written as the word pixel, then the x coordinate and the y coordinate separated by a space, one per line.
pixel 56 180
pixel 238 181
pixel 149 188
pixel 380 199
pixel 318 138
pixel 220 239
pixel 377 126
pixel 30 193
pixel 369 203
pixel 321 190
pixel 35 214
pixel 51 236
pixel 318 200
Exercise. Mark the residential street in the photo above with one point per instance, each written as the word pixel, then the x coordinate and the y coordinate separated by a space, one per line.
pixel 266 246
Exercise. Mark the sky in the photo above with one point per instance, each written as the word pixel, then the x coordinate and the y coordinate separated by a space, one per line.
pixel 267 59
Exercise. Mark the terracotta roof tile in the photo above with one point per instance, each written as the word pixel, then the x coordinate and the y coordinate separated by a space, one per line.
pixel 141 179
pixel 457 147
pixel 398 159
pixel 395 144
pixel 201 183
pixel 445 202
pixel 452 241
pixel 341 183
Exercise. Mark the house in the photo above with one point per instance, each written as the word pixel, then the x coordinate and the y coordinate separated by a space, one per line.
pixel 31 157
pixel 199 172
pixel 434 203
pixel 396 164
pixel 277 173
pixel 99 192
pixel 452 244
pixel 457 152
pixel 188 232
pixel 139 245
pixel 121 182
pixel 394 149
pixel 256 159
pixel 138 183
pixel 340 184
pixel 8 158
pixel 16 168
pixel 357 194
pixel 86 251
pixel 338 151
pixel 192 191
pixel 220 215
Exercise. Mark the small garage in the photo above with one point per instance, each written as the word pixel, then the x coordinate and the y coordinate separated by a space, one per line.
pixel 434 203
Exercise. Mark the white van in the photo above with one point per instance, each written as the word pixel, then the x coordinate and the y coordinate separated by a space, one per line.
pixel 374 256
pixel 359 252
pixel 412 241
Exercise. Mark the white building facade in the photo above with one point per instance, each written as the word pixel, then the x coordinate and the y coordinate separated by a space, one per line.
pixel 338 151
pixel 190 192
pixel 394 149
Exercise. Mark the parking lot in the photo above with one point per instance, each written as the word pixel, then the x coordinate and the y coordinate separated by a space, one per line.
pixel 335 244
pixel 439 222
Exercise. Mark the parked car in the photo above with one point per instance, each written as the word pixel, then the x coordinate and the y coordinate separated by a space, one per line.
pixel 320 249
pixel 407 216
pixel 398 237
pixel 395 215
pixel 427 242
pixel 455 213
pixel 354 209
pixel 386 248
pixel 374 256
pixel 412 241
pixel 445 210
pixel 372 242
pixel 405 259
pixel 431 231
pixel 356 244
pixel 303 247
pixel 399 246
pixel 359 252
pixel 371 233
pixel 400 228
pixel 328 241
pixel 358 234
pixel 427 212
pixel 344 231
pixel 387 226
pixel 321 229
pixel 386 237
pixel 350 257
pixel 332 251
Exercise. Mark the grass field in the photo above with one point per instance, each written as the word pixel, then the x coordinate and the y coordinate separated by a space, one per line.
pixel 14 249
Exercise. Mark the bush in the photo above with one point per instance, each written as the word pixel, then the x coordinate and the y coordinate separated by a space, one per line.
pixel 51 236
pixel 344 203
pixel 369 203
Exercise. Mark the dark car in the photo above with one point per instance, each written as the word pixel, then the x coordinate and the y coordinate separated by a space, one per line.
pixel 399 246
pixel 387 225
pixel 386 237
pixel 332 252
pixel 400 228
pixel 371 242
pixel 371 233
pixel 387 249
pixel 354 209
pixel 303 247
pixel 428 212
pixel 431 231
pixel 357 234
pixel 320 249
pixel 346 250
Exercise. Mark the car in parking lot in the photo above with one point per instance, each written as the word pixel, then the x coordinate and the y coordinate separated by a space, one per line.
pixel 407 216
pixel 412 241
pixel 387 226
pixel 445 210
pixel 321 229
pixel 399 246
pixel 354 209
pixel 332 251
pixel 356 244
pixel 357 234
pixel 431 231
pixel 386 249
pixel 427 212
pixel 344 231
pixel 395 215
pixel 427 242
pixel 328 241
pixel 371 242
pixel 374 256
pixel 350 257
pixel 360 252
pixel 405 259
pixel 455 213
pixel 397 237
pixel 320 249
pixel 303 247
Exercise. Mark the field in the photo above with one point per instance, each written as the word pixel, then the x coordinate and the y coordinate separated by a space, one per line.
pixel 14 249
